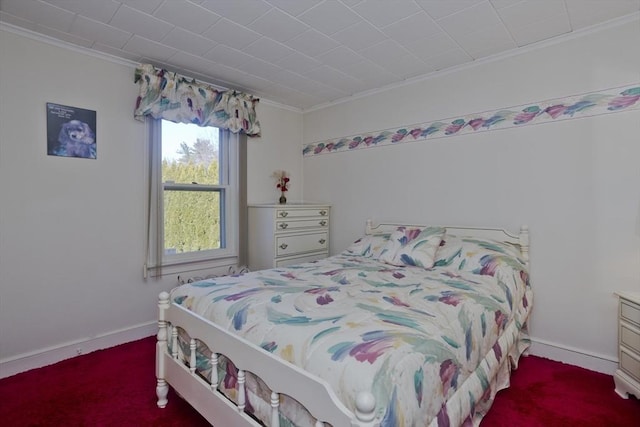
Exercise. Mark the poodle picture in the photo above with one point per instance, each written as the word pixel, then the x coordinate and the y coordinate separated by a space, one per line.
pixel 77 139
pixel 70 131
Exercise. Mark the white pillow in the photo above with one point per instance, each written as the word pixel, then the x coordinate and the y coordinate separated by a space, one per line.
pixel 369 246
pixel 413 246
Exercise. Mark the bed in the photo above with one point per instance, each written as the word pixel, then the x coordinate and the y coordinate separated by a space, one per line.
pixel 410 325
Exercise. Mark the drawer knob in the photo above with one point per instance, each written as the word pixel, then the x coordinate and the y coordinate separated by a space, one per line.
pixel 323 212
pixel 283 225
pixel 283 246
pixel 284 214
pixel 323 223
pixel 322 241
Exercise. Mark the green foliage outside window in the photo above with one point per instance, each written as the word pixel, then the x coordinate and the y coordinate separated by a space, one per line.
pixel 192 218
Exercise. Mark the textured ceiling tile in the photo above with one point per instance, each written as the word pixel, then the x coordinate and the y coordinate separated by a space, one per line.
pixel 146 6
pixel 359 36
pixel 227 55
pixel 294 7
pixel 525 13
pixel 383 52
pixel 240 11
pixel 187 15
pixel 329 17
pixel 278 26
pixel 437 44
pixel 312 43
pixel 419 26
pixel 340 57
pixel 383 13
pixel 584 13
pixel 188 41
pixel 299 63
pixel 98 10
pixel 541 30
pixel 140 23
pixel 470 20
pixel 99 32
pixel 268 50
pixel 231 34
pixel 149 48
pixel 449 59
pixel 439 9
pixel 486 41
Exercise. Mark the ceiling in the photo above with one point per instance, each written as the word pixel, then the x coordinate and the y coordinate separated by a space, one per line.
pixel 307 53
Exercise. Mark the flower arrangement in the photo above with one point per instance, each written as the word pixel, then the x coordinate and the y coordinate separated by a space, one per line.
pixel 282 184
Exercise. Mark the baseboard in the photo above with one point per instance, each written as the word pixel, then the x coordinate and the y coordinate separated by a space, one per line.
pixel 573 356
pixel 51 355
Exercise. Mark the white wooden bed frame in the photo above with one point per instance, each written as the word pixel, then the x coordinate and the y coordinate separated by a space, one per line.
pixel 281 376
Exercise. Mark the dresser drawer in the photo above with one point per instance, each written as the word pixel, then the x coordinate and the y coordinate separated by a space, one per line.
pixel 630 337
pixel 630 312
pixel 630 363
pixel 300 213
pixel 301 224
pixel 299 260
pixel 289 245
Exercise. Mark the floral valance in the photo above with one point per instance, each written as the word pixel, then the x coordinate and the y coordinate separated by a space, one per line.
pixel 169 96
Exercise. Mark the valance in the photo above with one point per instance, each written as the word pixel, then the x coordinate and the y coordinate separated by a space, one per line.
pixel 167 95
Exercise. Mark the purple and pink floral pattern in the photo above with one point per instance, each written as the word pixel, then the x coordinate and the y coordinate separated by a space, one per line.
pixel 591 104
pixel 433 346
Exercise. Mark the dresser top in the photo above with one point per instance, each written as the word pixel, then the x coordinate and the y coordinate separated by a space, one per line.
pixel 633 296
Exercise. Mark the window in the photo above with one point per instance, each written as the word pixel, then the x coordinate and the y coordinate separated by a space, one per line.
pixel 193 197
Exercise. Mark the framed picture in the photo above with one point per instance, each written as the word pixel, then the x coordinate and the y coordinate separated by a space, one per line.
pixel 71 131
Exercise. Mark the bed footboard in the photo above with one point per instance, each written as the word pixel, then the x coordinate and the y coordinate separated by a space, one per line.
pixel 281 377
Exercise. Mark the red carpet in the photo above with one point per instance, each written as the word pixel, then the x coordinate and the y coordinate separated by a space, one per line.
pixel 116 387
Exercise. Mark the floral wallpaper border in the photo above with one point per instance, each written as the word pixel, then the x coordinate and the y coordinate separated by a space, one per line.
pixel 585 105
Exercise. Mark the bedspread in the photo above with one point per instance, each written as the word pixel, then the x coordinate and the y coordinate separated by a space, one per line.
pixel 426 343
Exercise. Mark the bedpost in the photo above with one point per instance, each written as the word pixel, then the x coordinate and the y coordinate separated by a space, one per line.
pixel 162 388
pixel 524 242
pixel 365 408
pixel 369 227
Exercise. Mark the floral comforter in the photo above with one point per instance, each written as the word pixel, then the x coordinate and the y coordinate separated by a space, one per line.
pixel 432 345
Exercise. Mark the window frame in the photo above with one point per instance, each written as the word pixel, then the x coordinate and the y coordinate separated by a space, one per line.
pixel 158 263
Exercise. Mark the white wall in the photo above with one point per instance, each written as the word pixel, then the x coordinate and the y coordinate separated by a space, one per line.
pixel 72 231
pixel 575 183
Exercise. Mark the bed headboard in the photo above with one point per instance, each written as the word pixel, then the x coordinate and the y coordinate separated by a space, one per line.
pixel 520 239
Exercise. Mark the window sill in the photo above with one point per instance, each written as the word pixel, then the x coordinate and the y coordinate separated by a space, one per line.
pixel 184 268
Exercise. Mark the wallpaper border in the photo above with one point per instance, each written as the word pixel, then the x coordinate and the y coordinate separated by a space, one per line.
pixel 589 104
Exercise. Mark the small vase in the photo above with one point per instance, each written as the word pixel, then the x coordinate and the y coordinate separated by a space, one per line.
pixel 283 199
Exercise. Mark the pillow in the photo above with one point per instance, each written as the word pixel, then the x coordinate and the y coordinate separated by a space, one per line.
pixel 479 256
pixel 369 246
pixel 412 246
pixel 449 252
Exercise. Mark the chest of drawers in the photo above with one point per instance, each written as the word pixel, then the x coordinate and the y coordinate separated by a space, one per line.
pixel 627 377
pixel 281 235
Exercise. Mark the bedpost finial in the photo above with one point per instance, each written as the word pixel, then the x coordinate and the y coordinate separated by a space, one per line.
pixel 365 406
pixel 524 242
pixel 163 300
pixel 369 226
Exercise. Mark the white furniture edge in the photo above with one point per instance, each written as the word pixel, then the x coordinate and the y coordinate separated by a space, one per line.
pixel 626 385
pixel 280 376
